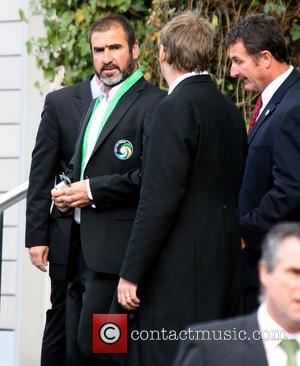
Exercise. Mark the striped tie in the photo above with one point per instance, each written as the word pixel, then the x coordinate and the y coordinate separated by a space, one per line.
pixel 255 113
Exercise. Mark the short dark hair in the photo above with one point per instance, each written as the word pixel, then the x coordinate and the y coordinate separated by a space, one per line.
pixel 274 238
pixel 259 33
pixel 105 23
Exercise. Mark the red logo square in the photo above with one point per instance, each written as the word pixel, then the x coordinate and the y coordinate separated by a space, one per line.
pixel 110 333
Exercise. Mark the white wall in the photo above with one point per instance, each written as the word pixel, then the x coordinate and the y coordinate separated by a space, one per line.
pixel 10 127
pixel 24 294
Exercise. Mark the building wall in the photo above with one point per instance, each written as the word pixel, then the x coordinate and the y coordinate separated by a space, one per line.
pixel 10 128
pixel 24 293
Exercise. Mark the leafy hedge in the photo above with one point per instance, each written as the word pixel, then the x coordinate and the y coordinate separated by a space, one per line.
pixel 67 24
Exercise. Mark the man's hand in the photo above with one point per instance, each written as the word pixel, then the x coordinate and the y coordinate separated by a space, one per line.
pixel 39 256
pixel 75 195
pixel 58 199
pixel 127 295
pixel 243 244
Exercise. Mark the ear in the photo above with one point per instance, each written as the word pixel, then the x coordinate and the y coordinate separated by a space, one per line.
pixel 162 54
pixel 263 273
pixel 266 58
pixel 135 51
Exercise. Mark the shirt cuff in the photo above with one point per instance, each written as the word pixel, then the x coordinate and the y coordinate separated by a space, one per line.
pixel 87 181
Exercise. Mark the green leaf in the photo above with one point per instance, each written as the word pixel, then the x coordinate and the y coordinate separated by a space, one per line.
pixel 84 47
pixel 139 6
pixel 279 8
pixel 268 8
pixel 295 32
pixel 22 16
pixel 121 5
pixel 28 45
pixel 67 18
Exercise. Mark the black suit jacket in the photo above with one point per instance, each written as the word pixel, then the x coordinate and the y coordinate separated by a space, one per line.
pixel 270 191
pixel 114 183
pixel 54 147
pixel 233 342
pixel 185 246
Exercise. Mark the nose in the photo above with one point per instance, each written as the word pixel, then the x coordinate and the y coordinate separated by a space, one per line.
pixel 234 72
pixel 107 57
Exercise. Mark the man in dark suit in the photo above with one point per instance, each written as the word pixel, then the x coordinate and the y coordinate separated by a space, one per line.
pixel 184 249
pixel 47 231
pixel 270 191
pixel 268 337
pixel 106 173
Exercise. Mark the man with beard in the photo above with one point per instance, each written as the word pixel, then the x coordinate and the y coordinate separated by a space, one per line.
pixel 105 170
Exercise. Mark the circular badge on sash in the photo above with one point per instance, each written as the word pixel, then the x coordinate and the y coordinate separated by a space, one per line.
pixel 123 149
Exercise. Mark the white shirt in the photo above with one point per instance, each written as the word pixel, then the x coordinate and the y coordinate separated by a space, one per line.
pixel 96 89
pixel 271 89
pixel 182 77
pixel 270 330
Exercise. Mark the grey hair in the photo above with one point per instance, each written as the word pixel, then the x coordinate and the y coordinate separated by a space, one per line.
pixel 271 245
pixel 273 240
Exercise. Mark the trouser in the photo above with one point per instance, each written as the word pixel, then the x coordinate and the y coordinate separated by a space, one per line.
pixel 54 339
pixel 88 293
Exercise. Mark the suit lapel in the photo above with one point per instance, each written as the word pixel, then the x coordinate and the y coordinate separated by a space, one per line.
pixel 275 100
pixel 266 113
pixel 120 110
pixel 83 96
pixel 77 154
pixel 253 352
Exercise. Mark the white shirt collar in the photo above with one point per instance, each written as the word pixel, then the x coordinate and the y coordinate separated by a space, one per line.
pixel 113 91
pixel 98 89
pixel 270 90
pixel 182 77
pixel 95 87
pixel 268 326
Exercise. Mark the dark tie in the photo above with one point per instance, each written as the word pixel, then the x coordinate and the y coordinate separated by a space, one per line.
pixel 255 113
pixel 290 347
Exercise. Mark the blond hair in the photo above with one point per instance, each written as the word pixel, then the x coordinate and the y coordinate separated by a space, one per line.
pixel 188 40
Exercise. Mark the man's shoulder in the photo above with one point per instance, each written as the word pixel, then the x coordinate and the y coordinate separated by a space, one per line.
pixel 70 91
pixel 152 89
pixel 244 322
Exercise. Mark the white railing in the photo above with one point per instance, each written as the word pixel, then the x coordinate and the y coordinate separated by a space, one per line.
pixel 7 200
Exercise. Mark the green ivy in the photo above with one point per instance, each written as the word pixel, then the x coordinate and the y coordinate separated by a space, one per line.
pixel 67 24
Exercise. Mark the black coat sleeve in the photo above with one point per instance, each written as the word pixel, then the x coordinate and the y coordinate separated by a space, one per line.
pixel 45 158
pixel 116 189
pixel 282 201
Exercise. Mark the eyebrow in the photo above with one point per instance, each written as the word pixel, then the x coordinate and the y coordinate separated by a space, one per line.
pixel 109 46
pixel 234 57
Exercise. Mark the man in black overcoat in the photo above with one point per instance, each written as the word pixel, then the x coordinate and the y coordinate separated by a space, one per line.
pixel 182 262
